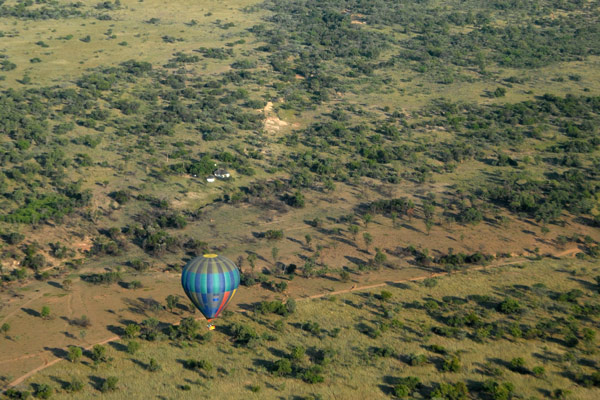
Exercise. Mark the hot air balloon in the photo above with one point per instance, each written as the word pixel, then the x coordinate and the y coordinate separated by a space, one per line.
pixel 210 281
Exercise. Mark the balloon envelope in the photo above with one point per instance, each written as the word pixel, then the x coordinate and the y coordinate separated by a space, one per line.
pixel 210 281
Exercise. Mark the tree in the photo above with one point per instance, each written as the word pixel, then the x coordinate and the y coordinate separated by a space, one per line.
pixel 132 347
pixel 5 328
pixel 252 260
pixel 353 229
pixel 109 384
pixel 171 302
pixel 43 391
pixel 45 313
pixel 394 216
pixel 132 331
pixel 308 240
pixel 275 254
pixel 366 219
pixel 385 295
pixel 379 258
pixel 98 354
pixel 368 240
pixel 153 366
pixel 344 276
pixel 74 353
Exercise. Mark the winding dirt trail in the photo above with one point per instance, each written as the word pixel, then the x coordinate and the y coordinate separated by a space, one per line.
pixel 355 288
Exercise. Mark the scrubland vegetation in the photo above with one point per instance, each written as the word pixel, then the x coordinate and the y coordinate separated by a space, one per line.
pixel 367 141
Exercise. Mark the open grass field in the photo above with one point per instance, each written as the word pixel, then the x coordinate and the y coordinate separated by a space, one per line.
pixel 366 355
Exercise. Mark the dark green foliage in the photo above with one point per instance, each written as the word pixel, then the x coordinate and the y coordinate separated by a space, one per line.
pixel 15 394
pixel 153 365
pixel 74 385
pixel 509 306
pixel 276 307
pixel 282 367
pixel 498 391
pixel 406 386
pixel 109 384
pixel 244 335
pixel 99 354
pixel 198 365
pixel 449 391
pixel 273 234
pixel 452 364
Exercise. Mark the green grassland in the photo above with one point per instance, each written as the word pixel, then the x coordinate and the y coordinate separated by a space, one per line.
pixel 362 344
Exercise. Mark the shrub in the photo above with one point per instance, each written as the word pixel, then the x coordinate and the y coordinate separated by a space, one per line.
pixel 418 359
pixel 313 375
pixel 133 347
pixel 98 353
pixel 74 353
pixel 406 386
pixel 153 365
pixel 509 306
pixel 449 391
pixel 386 295
pixel 75 385
pixel 498 391
pixel 282 367
pixel 451 364
pixel 43 391
pixel 109 384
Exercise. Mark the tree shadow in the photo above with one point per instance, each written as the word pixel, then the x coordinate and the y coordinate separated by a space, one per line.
pixel 96 382
pixel 117 330
pixel 355 260
pixel 118 346
pixel 31 312
pixel 63 384
pixel 140 363
pixel 57 352
pixel 56 285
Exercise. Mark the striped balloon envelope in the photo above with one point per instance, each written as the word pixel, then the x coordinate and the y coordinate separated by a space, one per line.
pixel 210 281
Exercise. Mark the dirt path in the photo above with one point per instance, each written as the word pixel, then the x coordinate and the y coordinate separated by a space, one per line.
pixel 53 360
pixel 19 307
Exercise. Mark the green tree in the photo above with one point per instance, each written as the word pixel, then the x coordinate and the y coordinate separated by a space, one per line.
pixel 98 354
pixel 132 330
pixel 74 354
pixel 109 384
pixel 5 328
pixel 252 260
pixel 368 240
pixel 43 391
pixel 353 229
pixel 171 302
pixel 308 240
pixel 275 254
pixel 45 313
pixel 133 347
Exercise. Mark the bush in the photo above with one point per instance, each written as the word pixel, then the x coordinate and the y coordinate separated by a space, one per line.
pixel 406 386
pixel 451 364
pixel 448 391
pixel 98 354
pixel 133 347
pixel 43 391
pixel 109 384
pixel 74 353
pixel 282 367
pixel 509 306
pixel 313 375
pixel 75 385
pixel 418 360
pixel 153 365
